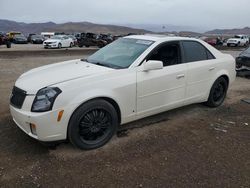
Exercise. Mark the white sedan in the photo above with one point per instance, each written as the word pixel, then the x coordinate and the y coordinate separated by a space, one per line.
pixel 85 100
pixel 58 41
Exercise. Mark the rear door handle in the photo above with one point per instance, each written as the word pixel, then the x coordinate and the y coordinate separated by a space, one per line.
pixel 211 68
pixel 180 76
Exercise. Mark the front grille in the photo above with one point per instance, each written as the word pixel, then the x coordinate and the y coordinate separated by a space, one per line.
pixel 48 42
pixel 17 97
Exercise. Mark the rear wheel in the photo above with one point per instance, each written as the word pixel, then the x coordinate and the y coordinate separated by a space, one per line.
pixel 217 93
pixel 93 124
pixel 71 45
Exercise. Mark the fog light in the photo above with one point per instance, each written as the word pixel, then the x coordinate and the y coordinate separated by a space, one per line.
pixel 33 128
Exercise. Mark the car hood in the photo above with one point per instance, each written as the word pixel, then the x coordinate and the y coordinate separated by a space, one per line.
pixel 49 75
pixel 52 40
pixel 234 39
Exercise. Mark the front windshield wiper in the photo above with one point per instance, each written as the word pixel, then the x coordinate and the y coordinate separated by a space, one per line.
pixel 103 64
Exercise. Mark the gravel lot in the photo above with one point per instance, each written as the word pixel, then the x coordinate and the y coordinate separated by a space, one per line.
pixel 193 146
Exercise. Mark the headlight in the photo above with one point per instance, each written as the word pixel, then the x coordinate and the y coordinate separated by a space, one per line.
pixel 45 99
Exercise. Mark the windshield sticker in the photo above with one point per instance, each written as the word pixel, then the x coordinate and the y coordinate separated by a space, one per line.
pixel 145 42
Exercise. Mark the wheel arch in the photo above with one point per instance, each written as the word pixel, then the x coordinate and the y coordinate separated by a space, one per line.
pixel 108 99
pixel 224 75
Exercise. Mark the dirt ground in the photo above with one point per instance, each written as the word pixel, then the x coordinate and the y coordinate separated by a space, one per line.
pixel 193 146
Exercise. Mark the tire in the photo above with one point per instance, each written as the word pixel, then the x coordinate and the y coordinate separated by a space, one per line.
pixel 218 93
pixel 93 124
pixel 59 45
pixel 8 44
pixel 71 45
pixel 87 46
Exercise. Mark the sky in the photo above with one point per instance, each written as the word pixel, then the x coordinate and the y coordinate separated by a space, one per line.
pixel 203 14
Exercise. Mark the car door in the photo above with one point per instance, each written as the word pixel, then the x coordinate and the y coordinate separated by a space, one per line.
pixel 201 68
pixel 163 89
pixel 65 41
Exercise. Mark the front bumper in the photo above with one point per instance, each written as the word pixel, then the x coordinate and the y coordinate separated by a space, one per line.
pixel 50 45
pixel 47 126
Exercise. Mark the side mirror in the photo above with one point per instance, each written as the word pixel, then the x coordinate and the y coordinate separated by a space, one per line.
pixel 153 65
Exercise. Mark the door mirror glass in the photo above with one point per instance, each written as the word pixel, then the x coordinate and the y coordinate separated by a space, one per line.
pixel 153 65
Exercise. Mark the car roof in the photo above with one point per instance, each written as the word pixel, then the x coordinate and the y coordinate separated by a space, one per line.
pixel 159 38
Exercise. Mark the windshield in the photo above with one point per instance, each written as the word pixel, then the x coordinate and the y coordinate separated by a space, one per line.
pixel 56 37
pixel 121 53
pixel 247 51
pixel 36 37
pixel 237 37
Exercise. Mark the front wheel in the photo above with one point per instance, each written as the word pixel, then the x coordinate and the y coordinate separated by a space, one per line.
pixel 71 45
pixel 59 45
pixel 93 124
pixel 218 93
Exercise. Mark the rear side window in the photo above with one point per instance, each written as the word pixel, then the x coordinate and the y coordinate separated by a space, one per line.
pixel 194 51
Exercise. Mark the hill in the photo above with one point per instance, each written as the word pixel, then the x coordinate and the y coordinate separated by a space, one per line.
pixel 69 27
pixel 245 31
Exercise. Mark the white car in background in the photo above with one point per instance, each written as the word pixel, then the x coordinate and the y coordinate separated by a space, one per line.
pixel 86 100
pixel 238 40
pixel 58 41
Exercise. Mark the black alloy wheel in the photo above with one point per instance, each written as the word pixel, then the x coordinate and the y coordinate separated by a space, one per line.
pixel 93 124
pixel 218 93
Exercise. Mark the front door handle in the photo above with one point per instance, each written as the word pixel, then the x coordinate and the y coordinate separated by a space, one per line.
pixel 211 68
pixel 180 76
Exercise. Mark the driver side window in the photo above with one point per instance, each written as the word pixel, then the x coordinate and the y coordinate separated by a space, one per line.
pixel 168 53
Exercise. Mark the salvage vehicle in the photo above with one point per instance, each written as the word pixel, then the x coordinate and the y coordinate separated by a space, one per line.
pixel 214 41
pixel 91 39
pixel 58 41
pixel 20 39
pixel 12 34
pixel 37 39
pixel 243 62
pixel 85 100
pixel 4 40
pixel 238 40
pixel 74 39
pixel 29 36
pixel 108 38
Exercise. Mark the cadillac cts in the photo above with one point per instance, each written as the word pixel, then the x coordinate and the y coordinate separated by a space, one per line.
pixel 85 100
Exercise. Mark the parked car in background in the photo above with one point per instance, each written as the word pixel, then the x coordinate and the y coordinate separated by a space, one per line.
pixel 37 39
pixel 214 41
pixel 47 35
pixel 74 39
pixel 243 60
pixel 20 39
pixel 91 39
pixel 238 40
pixel 58 41
pixel 86 100
pixel 4 40
pixel 12 34
pixel 108 38
pixel 29 36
